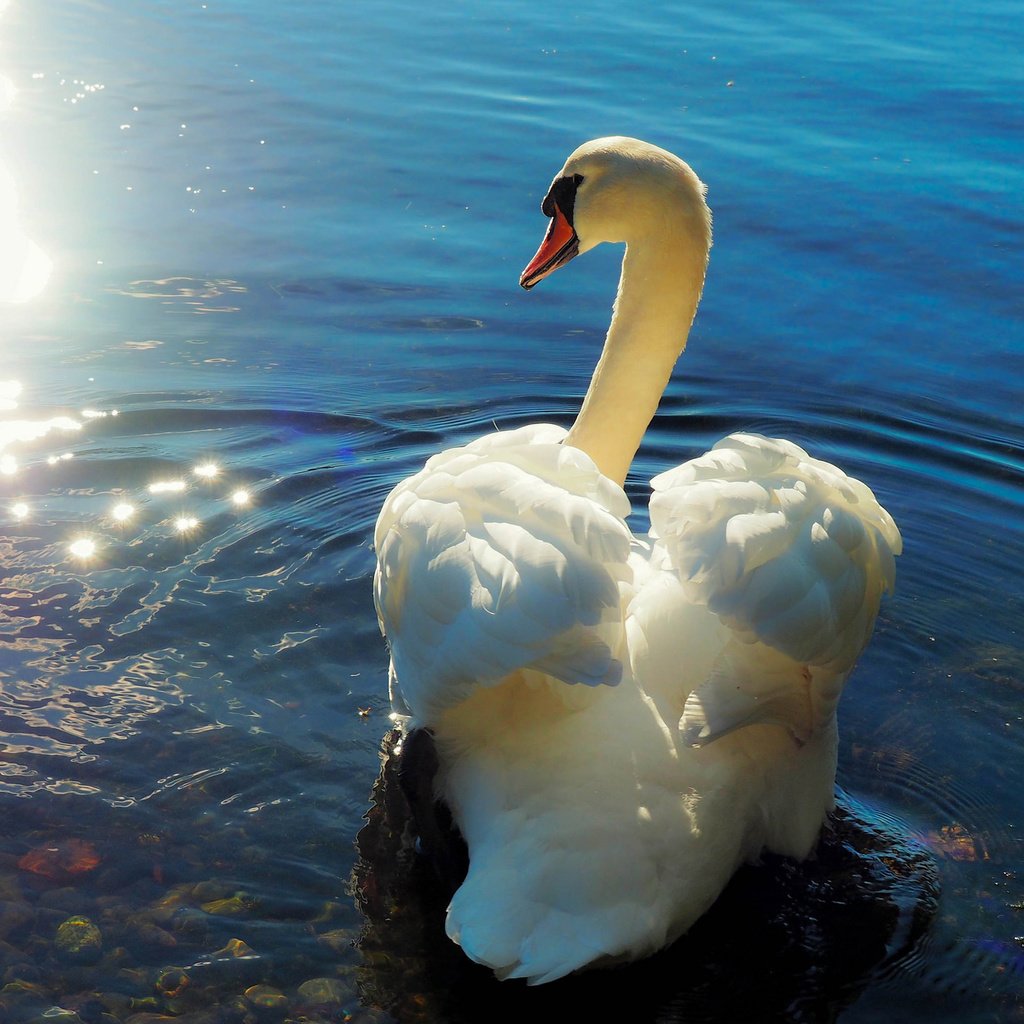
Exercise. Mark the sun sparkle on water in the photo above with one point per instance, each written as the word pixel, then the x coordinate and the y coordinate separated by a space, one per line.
pixel 122 512
pixel 83 547
pixel 207 470
pixel 167 486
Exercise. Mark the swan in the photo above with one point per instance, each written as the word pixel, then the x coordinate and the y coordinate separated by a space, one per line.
pixel 620 722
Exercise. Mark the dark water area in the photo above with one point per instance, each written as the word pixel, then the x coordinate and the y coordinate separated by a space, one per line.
pixel 258 261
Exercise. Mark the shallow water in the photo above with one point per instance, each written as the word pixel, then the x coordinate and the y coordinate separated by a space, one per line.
pixel 284 240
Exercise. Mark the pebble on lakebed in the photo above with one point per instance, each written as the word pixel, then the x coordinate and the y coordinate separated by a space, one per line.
pixel 323 992
pixel 79 941
pixel 134 928
pixel 264 997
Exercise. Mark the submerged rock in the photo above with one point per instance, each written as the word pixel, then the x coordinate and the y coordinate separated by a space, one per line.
pixel 61 861
pixel 79 941
pixel 234 967
pixel 235 948
pixel 23 1001
pixel 172 981
pixel 264 997
pixel 66 898
pixel 150 937
pixel 24 986
pixel 191 925
pixel 176 897
pixel 10 887
pixel 339 940
pixel 58 1015
pixel 211 889
pixel 230 906
pixel 92 1008
pixel 21 970
pixel 14 916
pixel 324 992
pixel 146 1005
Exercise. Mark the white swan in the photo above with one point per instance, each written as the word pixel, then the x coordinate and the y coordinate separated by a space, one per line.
pixel 621 722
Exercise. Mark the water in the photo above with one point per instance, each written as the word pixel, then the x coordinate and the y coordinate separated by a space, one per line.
pixel 284 239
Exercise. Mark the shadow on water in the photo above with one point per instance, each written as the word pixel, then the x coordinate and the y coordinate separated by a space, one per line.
pixel 784 942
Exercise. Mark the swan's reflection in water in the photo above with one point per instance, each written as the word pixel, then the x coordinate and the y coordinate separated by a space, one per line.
pixel 785 941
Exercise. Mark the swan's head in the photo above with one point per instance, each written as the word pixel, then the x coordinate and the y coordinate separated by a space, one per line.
pixel 619 190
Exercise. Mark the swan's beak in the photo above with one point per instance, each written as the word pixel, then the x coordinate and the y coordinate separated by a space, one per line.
pixel 559 246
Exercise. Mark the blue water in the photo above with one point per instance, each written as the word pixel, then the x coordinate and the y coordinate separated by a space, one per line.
pixel 285 239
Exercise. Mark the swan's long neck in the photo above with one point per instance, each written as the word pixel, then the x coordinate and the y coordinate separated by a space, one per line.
pixel 659 289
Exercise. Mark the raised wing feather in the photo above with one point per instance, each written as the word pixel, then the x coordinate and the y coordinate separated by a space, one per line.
pixel 793 556
pixel 506 554
pixel 785 549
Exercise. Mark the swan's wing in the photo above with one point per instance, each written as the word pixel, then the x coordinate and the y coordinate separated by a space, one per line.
pixel 506 554
pixel 793 557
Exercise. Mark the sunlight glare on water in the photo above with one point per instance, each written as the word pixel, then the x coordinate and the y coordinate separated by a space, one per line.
pixel 24 267
pixel 122 512
pixel 83 547
pixel 9 392
pixel 167 486
pixel 18 432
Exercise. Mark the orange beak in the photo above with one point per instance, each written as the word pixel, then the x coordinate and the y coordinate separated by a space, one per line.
pixel 559 246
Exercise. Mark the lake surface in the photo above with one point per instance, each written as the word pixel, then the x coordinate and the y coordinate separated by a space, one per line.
pixel 258 260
